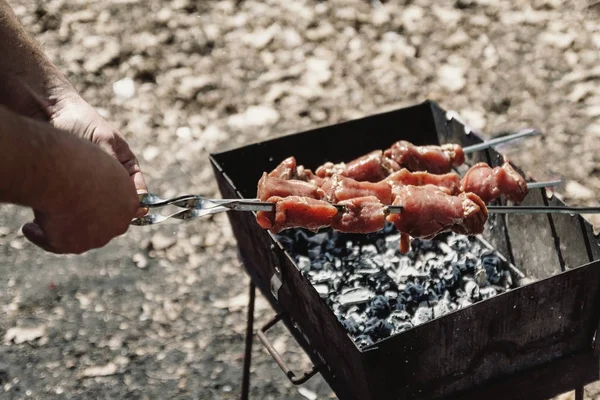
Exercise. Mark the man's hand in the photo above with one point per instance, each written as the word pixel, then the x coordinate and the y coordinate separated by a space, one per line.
pixel 72 114
pixel 81 196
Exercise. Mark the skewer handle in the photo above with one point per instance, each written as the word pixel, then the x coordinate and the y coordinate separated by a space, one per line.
pixel 489 143
pixel 542 210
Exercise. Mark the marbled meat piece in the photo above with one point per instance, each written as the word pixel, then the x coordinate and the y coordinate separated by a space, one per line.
pixel 269 186
pixel 433 159
pixel 307 175
pixel 285 170
pixel 372 167
pixel 428 211
pixel 449 183
pixel 338 188
pixel 489 183
pixel 360 215
pixel 297 212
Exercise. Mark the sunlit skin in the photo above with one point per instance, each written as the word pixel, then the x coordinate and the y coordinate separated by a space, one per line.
pixel 60 157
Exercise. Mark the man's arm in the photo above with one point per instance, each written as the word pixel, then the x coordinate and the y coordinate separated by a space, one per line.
pixel 30 83
pixel 81 196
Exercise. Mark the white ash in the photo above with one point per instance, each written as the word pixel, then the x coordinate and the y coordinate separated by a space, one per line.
pixel 376 292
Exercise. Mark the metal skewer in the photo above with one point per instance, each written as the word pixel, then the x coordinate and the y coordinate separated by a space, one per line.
pixel 493 142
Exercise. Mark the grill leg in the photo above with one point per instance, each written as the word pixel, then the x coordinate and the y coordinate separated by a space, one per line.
pixel 249 337
pixel 579 393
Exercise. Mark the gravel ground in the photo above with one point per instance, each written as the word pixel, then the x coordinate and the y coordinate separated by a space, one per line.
pixel 155 314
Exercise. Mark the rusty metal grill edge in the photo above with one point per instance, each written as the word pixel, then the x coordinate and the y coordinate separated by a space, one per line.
pixel 531 327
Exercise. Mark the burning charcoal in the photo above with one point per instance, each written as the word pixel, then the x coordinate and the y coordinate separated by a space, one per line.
pixel 491 264
pixel 381 282
pixel 369 250
pixel 337 283
pixel 321 276
pixel 398 316
pixel 381 245
pixel 379 307
pixel 487 292
pixel 481 277
pixel 507 281
pixel 443 307
pixel 351 326
pixel 463 302
pixel 423 314
pixel 303 263
pixel 415 291
pixel 432 296
pixel 392 242
pixel 450 276
pixel 286 241
pixel 323 290
pixel 356 296
pixel 402 327
pixel 472 290
pixel 378 328
pixel 363 341
pixel 316 266
pixel 318 239
pixel 391 294
pixel 467 265
pixel 438 286
pixel 314 252
pixel 499 289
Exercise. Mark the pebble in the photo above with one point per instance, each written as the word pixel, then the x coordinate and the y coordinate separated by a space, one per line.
pixel 140 260
pixel 577 191
pixel 254 116
pixel 100 370
pixel 160 241
pixel 21 334
pixel 451 78
pixel 124 88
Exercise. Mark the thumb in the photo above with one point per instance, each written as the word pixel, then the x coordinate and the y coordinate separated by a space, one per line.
pixel 34 233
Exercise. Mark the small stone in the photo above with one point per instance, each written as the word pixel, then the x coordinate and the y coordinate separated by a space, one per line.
pixel 451 78
pixel 559 40
pixel 576 190
pixel 150 153
pixel 309 394
pixel 380 17
pixel 161 242
pixel 261 38
pixel 254 116
pixel 19 334
pixel 124 88
pixel 140 260
pixel 191 86
pixel 100 370
pixel 99 59
pixel 457 39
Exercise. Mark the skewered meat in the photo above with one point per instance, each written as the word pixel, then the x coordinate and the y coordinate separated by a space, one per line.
pixel 372 167
pixel 269 186
pixel 361 215
pixel 296 211
pixel 489 183
pixel 486 182
pixel 285 170
pixel 428 211
pixel 434 159
pixel 338 188
pixel 450 182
